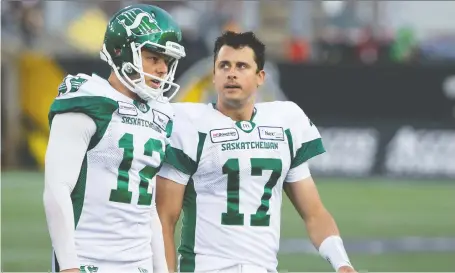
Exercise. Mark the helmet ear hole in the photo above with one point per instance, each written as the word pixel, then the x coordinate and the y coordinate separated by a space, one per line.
pixel 127 67
pixel 117 52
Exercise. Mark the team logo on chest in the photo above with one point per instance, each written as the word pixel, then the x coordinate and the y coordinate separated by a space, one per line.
pixel 223 135
pixel 142 107
pixel 271 133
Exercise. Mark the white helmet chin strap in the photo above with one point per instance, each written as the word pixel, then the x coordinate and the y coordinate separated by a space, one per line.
pixel 139 85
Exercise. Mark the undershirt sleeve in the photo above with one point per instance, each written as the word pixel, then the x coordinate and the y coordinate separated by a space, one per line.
pixel 68 142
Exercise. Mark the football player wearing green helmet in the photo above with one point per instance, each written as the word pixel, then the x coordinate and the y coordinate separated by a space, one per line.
pixel 139 35
pixel 107 142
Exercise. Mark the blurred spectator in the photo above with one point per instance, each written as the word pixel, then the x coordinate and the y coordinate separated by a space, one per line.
pixel 298 50
pixel 195 46
pixel 403 45
pixel 231 25
pixel 24 18
pixel 367 47
pixel 440 48
pixel 328 31
pixel 217 15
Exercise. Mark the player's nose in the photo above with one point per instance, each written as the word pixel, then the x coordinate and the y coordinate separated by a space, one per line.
pixel 161 68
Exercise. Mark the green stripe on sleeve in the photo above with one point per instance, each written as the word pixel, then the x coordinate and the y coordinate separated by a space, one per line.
pixel 290 143
pixel 187 262
pixel 99 109
pixel 179 160
pixel 308 150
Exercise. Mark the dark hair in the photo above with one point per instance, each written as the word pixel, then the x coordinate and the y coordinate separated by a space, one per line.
pixel 239 40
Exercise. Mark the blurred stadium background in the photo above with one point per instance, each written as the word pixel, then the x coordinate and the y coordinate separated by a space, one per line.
pixel 377 78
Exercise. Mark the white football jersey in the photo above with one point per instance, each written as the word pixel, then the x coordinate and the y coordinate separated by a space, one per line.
pixel 234 172
pixel 115 191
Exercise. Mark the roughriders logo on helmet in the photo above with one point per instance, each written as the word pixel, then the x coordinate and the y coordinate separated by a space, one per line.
pixel 139 22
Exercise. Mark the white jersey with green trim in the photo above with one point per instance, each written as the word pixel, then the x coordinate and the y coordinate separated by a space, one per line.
pixel 234 172
pixel 114 194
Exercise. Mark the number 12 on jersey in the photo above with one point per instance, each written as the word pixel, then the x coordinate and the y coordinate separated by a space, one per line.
pixel 121 194
pixel 232 169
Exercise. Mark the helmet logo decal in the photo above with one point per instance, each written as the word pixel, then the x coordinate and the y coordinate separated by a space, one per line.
pixel 138 22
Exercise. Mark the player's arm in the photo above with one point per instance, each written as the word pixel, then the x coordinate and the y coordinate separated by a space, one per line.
pixel 180 163
pixel 68 141
pixel 301 190
pixel 320 225
pixel 157 243
pixel 170 185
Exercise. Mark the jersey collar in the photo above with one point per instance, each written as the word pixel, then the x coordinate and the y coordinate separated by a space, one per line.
pixel 252 116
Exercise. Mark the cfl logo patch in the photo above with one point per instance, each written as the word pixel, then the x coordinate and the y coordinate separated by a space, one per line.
pixel 245 125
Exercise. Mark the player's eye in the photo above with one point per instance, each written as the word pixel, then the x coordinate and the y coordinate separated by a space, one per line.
pixel 224 65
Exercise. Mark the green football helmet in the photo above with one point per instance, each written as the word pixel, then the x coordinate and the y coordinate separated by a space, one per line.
pixel 136 27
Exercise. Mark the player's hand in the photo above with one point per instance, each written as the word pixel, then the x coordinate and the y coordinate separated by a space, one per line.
pixel 71 270
pixel 346 269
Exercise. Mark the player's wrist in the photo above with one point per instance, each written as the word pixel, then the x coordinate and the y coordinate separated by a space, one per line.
pixel 332 249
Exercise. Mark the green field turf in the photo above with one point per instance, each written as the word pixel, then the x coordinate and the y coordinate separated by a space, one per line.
pixel 364 209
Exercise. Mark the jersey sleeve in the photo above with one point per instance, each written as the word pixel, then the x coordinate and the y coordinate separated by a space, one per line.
pixel 76 94
pixel 305 142
pixel 180 161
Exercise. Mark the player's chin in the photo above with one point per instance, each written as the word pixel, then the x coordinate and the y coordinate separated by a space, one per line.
pixel 232 93
pixel 233 101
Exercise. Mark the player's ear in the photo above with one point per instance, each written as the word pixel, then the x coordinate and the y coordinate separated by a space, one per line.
pixel 260 76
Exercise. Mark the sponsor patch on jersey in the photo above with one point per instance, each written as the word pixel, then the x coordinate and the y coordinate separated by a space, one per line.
pixel 271 133
pixel 127 109
pixel 160 119
pixel 223 135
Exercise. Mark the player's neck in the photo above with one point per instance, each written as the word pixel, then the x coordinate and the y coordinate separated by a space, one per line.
pixel 236 114
pixel 118 85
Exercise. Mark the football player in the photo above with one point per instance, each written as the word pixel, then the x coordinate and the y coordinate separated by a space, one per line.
pixel 227 167
pixel 107 142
